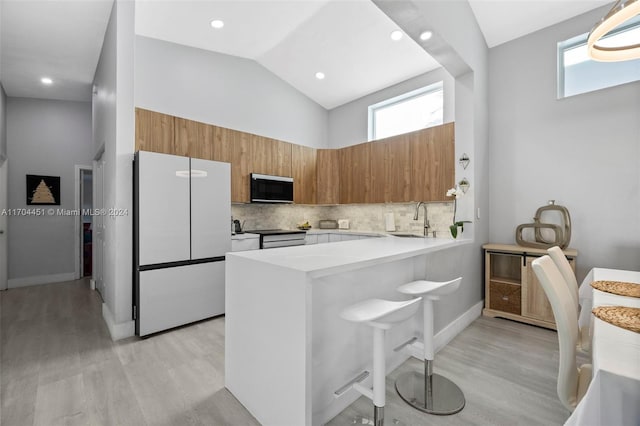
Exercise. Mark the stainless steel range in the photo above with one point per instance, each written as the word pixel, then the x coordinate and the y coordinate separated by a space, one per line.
pixel 272 238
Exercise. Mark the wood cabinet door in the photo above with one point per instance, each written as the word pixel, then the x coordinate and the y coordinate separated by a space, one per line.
pixel 327 176
pixel 432 163
pixel 222 141
pixel 391 170
pixel 154 132
pixel 303 165
pixel 379 170
pixel 205 141
pixel 355 174
pixel 534 300
pixel 270 156
pixel 186 139
pixel 241 164
pixel 282 166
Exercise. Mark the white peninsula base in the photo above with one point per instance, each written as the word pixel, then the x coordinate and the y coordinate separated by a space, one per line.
pixel 286 348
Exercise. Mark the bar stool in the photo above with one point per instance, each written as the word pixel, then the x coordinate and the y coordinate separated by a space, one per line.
pixel 381 315
pixel 430 392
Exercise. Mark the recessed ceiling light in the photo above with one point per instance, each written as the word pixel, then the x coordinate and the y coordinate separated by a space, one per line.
pixel 217 24
pixel 46 80
pixel 396 35
pixel 426 35
pixel 320 75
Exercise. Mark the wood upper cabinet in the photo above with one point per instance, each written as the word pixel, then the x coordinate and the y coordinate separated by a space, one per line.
pixel 416 166
pixel 432 162
pixel 327 176
pixel 355 174
pixel 270 156
pixel 200 140
pixel 303 165
pixel 391 170
pixel 222 149
pixel 154 132
pixel 187 140
pixel 241 164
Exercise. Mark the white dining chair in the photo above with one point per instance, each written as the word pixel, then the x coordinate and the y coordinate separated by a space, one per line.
pixel 565 269
pixel 573 381
pixel 563 265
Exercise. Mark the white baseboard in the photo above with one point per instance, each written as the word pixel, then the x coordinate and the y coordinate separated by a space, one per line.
pixel 117 331
pixel 447 334
pixel 41 279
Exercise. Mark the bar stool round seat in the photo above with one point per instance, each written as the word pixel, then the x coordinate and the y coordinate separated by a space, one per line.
pixel 430 392
pixel 381 315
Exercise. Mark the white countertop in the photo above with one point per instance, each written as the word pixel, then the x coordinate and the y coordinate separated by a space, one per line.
pixel 326 259
pixel 244 236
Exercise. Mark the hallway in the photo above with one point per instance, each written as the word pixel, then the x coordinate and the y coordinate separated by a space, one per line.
pixel 60 367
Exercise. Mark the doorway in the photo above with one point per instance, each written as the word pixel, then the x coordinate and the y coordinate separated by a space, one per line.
pixel 86 205
pixel 3 223
pixel 83 220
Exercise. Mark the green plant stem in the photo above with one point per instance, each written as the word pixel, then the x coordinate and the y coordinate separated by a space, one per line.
pixel 455 206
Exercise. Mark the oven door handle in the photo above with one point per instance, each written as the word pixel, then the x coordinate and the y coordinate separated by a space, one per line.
pixel 282 243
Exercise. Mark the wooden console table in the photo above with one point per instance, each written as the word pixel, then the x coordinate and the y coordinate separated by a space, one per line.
pixel 512 289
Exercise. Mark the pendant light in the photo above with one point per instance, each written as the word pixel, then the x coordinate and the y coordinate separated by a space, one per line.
pixel 622 11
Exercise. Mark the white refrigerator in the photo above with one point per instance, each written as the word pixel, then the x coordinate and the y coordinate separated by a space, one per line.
pixel 182 210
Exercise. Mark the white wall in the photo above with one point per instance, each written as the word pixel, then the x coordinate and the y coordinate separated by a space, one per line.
pixel 582 151
pixel 348 123
pixel 44 137
pixel 226 91
pixel 3 190
pixel 113 115
pixel 3 225
pixel 3 124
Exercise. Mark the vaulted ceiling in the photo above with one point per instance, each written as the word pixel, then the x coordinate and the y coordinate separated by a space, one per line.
pixel 348 40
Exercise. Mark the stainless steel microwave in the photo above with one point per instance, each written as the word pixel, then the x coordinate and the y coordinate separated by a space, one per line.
pixel 271 189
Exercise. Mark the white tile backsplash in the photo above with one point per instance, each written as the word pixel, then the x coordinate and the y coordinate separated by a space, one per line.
pixel 277 216
pixel 362 217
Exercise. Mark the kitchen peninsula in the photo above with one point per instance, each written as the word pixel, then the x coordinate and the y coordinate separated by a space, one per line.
pixel 286 348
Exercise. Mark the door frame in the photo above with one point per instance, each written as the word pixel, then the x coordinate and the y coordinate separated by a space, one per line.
pixel 77 226
pixel 4 223
pixel 97 270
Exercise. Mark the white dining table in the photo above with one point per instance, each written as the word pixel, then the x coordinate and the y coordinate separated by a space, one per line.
pixel 613 397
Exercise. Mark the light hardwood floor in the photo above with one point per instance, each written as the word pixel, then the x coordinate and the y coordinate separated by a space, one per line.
pixel 59 366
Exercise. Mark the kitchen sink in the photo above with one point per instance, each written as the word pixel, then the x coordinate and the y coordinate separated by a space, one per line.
pixel 407 235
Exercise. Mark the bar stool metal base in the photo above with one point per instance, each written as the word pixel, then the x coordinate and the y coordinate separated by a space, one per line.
pixel 362 420
pixel 378 418
pixel 445 397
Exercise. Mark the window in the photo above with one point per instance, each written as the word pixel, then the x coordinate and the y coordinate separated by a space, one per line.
pixel 577 73
pixel 415 110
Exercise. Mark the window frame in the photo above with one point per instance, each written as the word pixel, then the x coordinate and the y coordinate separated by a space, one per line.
pixel 581 40
pixel 433 87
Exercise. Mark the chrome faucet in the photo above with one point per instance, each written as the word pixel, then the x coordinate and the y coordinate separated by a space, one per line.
pixel 426 218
